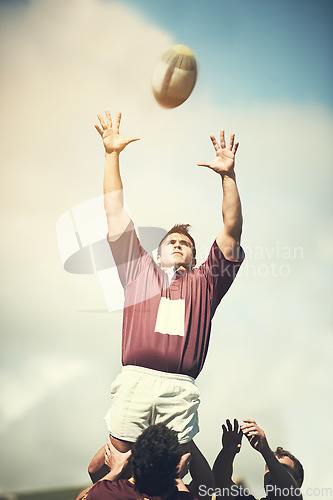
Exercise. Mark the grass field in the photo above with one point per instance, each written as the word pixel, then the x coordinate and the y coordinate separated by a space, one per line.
pixel 56 494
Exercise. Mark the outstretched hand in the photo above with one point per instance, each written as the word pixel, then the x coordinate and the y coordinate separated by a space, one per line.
pixel 224 162
pixel 112 140
pixel 255 435
pixel 231 437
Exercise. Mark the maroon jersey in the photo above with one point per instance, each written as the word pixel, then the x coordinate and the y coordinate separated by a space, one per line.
pixel 166 325
pixel 124 489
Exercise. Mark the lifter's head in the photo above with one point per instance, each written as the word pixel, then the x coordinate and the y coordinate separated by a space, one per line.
pixel 177 248
pixel 156 455
pixel 291 463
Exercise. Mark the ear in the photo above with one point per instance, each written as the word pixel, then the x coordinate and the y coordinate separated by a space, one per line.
pixel 158 260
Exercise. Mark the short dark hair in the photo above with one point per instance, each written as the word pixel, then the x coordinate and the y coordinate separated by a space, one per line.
pixel 180 229
pixel 156 455
pixel 298 471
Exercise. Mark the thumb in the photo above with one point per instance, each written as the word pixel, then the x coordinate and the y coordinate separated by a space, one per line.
pixel 132 139
pixel 203 164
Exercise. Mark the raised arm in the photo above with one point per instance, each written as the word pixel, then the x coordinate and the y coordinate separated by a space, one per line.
pixel 229 237
pixel 281 477
pixel 114 143
pixel 231 445
pixel 202 485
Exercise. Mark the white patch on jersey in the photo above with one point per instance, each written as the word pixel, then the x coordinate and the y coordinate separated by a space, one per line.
pixel 171 317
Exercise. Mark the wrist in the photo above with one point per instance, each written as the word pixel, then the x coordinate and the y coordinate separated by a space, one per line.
pixel 110 154
pixel 114 473
pixel 228 175
pixel 266 450
pixel 229 453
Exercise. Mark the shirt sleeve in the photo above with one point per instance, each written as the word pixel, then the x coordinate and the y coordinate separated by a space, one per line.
pixel 220 273
pixel 129 256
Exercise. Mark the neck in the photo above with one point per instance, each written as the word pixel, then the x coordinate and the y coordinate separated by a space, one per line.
pixel 181 268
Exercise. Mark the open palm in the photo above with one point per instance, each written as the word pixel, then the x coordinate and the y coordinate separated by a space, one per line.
pixel 224 161
pixel 112 140
pixel 231 437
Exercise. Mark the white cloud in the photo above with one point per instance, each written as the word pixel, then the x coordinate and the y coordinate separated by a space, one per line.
pixel 30 382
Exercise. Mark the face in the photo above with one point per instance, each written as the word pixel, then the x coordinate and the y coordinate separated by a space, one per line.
pixel 286 462
pixel 176 250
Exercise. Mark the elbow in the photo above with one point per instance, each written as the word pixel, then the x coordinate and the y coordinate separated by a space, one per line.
pixel 91 468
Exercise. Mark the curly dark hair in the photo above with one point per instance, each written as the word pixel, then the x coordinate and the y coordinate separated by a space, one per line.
pixel 156 455
pixel 298 471
pixel 180 229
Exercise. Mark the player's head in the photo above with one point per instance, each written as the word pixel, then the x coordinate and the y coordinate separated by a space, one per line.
pixel 177 248
pixel 156 455
pixel 291 463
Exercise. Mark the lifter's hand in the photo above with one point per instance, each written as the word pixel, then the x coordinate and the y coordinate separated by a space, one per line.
pixel 224 161
pixel 183 465
pixel 255 435
pixel 115 459
pixel 112 140
pixel 231 437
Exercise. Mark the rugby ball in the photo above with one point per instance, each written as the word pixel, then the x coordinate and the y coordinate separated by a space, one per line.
pixel 174 76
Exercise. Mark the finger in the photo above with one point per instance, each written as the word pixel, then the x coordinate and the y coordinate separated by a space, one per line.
pixel 118 120
pixel 244 426
pixel 224 428
pixel 248 425
pixel 252 424
pixel 99 130
pixel 251 433
pixel 203 164
pixel 108 118
pixel 102 122
pixel 231 143
pixel 249 421
pixel 222 140
pixel 229 425
pixel 132 140
pixel 215 143
pixel 249 429
pixel 184 460
pixel 236 426
pixel 235 148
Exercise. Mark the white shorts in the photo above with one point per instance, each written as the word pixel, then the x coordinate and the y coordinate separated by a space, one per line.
pixel 141 397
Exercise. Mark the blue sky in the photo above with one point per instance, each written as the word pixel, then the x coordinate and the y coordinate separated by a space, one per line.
pixel 275 50
pixel 265 72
